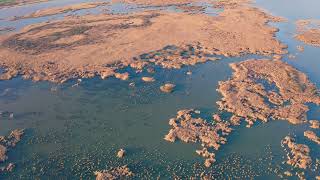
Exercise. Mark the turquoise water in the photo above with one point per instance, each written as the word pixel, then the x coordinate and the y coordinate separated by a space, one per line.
pixel 73 131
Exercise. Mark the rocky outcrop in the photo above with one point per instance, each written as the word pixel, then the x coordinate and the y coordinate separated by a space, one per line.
pixel 122 172
pixel 298 154
pixel 189 128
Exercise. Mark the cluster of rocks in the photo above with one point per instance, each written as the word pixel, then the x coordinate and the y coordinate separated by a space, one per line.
pixel 309 31
pixel 122 172
pixel 312 136
pixel 298 155
pixel 314 124
pixel 188 128
pixel 267 89
pixel 174 57
pixel 7 143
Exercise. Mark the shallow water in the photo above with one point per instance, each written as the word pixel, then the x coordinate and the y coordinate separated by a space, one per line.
pixel 74 131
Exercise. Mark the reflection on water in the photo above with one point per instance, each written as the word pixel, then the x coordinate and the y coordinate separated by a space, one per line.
pixel 74 131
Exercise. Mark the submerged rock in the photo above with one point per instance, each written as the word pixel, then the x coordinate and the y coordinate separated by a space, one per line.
pixel 167 88
pixel 122 172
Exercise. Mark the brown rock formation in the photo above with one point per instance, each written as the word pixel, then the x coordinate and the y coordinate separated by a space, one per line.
pixel 309 32
pixel 188 128
pixel 312 136
pixel 267 89
pixel 86 46
pixel 298 155
pixel 122 172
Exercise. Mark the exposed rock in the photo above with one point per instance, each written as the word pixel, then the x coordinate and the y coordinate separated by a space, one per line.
pixel 121 153
pixel 277 57
pixel 167 88
pixel 122 172
pixel 216 118
pixel 300 48
pixel 64 9
pixel 122 76
pixel 6 144
pixel 97 45
pixel 235 120
pixel 148 79
pixel 3 153
pixel 309 32
pixel 187 128
pixel 298 155
pixel 267 89
pixel 287 173
pixel 315 124
pixel 9 167
pixel 312 136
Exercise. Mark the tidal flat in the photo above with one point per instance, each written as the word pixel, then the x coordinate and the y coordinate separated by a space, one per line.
pixel 163 89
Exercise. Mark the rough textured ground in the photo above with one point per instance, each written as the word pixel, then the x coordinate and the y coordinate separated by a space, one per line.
pixel 309 32
pixel 86 46
pixel 9 3
pixel 298 155
pixel 6 144
pixel 64 9
pixel 122 172
pixel 264 89
pixel 189 128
